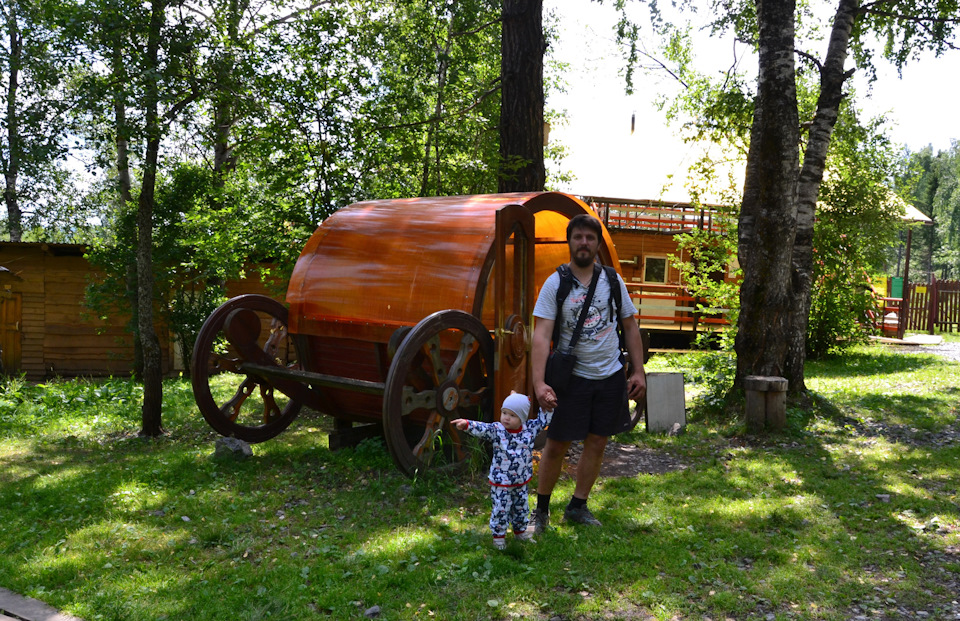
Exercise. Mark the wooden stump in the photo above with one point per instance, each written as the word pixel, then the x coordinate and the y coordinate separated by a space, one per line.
pixel 766 402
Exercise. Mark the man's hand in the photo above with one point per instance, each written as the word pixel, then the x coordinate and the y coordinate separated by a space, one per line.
pixel 546 397
pixel 637 385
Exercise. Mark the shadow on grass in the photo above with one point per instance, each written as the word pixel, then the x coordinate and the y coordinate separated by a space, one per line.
pixel 135 529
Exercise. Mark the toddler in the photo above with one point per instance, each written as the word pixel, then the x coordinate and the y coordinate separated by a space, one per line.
pixel 512 466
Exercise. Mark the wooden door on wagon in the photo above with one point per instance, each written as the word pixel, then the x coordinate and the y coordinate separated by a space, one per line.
pixel 513 300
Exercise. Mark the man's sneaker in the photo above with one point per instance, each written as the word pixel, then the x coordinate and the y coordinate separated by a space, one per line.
pixel 526 536
pixel 499 543
pixel 580 515
pixel 541 521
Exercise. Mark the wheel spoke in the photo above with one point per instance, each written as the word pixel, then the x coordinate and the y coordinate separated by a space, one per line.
pixel 225 363
pixel 417 400
pixel 231 409
pixel 468 347
pixel 432 350
pixel 278 332
pixel 271 411
pixel 470 398
pixel 424 448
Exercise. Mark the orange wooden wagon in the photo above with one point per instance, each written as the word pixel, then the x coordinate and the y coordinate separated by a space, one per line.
pixel 403 313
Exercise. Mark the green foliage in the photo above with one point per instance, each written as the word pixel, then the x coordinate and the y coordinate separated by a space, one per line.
pixel 713 372
pixel 33 128
pixel 857 222
pixel 710 109
pixel 706 260
pixel 77 408
pixel 205 236
pixel 706 257
pixel 933 184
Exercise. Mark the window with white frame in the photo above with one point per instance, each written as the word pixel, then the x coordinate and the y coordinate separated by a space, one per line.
pixel 655 269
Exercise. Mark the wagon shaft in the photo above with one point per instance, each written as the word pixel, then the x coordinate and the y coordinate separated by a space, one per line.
pixel 312 379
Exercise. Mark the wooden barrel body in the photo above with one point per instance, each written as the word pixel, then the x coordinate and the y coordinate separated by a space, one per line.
pixel 377 267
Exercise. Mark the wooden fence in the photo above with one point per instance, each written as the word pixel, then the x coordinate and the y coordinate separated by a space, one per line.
pixel 932 306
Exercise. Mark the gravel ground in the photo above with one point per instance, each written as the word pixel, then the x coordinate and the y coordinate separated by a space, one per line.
pixel 950 351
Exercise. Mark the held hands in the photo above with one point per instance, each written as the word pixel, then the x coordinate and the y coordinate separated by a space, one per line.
pixel 546 397
pixel 460 423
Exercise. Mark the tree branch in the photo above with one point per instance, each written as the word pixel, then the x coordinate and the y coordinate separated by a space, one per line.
pixel 813 59
pixel 290 16
pixel 873 9
pixel 477 29
pixel 178 107
pixel 435 118
pixel 664 67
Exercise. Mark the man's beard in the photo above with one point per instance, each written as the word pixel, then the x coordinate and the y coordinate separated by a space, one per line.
pixel 583 260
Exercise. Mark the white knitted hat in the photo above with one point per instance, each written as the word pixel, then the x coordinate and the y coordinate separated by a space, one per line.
pixel 518 404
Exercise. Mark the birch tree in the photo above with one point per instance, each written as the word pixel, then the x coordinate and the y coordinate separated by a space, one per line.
pixel 785 166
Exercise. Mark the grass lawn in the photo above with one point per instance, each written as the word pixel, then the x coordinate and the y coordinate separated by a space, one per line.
pixel 853 513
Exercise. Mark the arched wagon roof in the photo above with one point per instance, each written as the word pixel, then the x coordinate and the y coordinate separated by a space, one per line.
pixel 393 262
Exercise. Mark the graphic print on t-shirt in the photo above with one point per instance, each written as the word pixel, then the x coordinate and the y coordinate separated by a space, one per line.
pixel 596 325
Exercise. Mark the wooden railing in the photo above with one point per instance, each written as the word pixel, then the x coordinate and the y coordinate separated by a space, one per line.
pixel 673 306
pixel 657 216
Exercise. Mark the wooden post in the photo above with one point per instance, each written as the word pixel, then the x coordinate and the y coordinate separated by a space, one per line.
pixel 905 303
pixel 934 302
pixel 766 407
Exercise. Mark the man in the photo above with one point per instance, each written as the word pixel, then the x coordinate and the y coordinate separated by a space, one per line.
pixel 588 408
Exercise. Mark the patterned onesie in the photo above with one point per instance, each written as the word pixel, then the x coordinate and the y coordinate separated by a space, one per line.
pixel 511 470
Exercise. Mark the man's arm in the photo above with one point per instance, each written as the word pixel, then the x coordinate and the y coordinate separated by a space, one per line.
pixel 637 382
pixel 542 335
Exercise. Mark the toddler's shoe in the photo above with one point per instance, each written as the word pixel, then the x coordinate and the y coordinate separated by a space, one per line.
pixel 499 543
pixel 525 536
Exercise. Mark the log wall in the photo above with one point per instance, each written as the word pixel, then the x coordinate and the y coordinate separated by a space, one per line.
pixel 57 336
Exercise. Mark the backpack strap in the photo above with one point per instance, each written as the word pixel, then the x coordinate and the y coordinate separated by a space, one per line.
pixel 616 302
pixel 566 284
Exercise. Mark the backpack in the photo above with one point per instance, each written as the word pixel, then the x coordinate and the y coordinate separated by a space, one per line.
pixel 616 301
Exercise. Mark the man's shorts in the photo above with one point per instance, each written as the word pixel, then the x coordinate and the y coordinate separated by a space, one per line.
pixel 588 406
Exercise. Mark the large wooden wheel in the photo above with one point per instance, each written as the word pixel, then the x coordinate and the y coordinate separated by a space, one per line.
pixel 442 370
pixel 233 402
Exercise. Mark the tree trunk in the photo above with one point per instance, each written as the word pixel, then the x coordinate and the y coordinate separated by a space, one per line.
pixel 769 213
pixel 433 128
pixel 521 90
pixel 12 165
pixel 124 188
pixel 832 78
pixel 152 372
pixel 225 107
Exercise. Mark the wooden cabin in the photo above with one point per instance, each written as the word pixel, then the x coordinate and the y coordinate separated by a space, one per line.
pixel 643 233
pixel 47 331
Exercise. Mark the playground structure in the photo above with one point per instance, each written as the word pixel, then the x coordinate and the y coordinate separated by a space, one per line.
pixel 403 315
